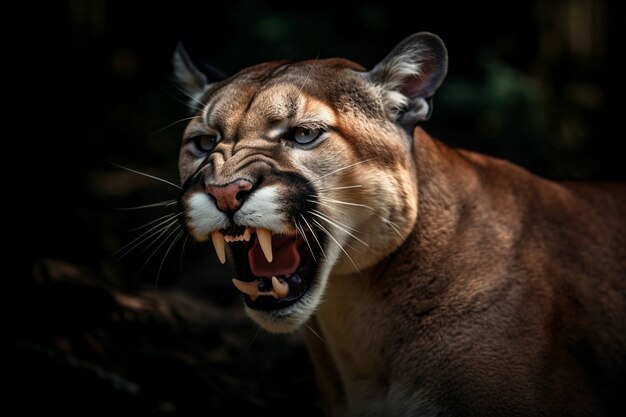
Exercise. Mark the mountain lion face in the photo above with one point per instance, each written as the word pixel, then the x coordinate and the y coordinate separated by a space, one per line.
pixel 301 172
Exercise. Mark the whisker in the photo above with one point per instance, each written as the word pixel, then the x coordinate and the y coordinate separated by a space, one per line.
pixel 392 225
pixel 338 170
pixel 330 206
pixel 333 208
pixel 340 188
pixel 315 333
pixel 165 203
pixel 337 221
pixel 159 227
pixel 156 282
pixel 172 124
pixel 340 228
pixel 249 347
pixel 322 228
pixel 387 220
pixel 189 96
pixel 156 239
pixel 152 222
pixel 146 175
pixel 346 244
pixel 301 231
pixel 314 236
pixel 185 103
pixel 308 76
pixel 168 222
pixel 182 252
pixel 156 249
pixel 332 200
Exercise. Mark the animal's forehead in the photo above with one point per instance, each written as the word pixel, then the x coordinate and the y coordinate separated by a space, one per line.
pixel 270 101
pixel 281 90
pixel 296 71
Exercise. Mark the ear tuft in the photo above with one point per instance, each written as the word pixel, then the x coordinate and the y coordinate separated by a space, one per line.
pixel 409 77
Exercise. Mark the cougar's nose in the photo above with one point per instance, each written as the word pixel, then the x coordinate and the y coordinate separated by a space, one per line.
pixel 231 196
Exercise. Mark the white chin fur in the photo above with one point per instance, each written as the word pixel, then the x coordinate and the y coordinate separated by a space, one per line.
pixel 286 320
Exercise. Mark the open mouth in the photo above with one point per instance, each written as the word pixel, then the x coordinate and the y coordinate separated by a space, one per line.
pixel 273 271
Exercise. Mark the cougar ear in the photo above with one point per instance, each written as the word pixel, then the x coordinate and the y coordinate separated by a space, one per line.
pixel 194 78
pixel 409 77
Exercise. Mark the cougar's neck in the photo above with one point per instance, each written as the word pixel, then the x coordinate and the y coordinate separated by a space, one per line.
pixel 362 314
pixel 449 184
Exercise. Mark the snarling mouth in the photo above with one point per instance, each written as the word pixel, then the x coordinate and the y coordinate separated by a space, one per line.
pixel 273 271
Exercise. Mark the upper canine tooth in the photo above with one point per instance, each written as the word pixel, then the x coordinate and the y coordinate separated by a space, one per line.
pixel 280 288
pixel 218 243
pixel 265 240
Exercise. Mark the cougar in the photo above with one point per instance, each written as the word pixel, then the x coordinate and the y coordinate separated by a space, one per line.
pixel 435 281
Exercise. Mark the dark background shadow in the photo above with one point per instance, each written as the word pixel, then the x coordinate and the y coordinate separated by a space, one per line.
pixel 537 82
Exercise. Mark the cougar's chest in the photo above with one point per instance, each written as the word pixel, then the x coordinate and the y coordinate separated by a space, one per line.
pixel 350 318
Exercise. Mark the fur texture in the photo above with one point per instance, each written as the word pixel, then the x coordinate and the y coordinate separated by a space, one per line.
pixel 447 283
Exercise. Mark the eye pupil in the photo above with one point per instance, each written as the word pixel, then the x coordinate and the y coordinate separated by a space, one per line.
pixel 305 135
pixel 207 141
pixel 204 143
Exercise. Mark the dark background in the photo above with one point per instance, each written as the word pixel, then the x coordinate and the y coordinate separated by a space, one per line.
pixel 536 82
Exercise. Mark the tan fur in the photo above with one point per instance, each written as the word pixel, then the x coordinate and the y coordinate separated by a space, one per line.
pixel 469 286
pixel 508 284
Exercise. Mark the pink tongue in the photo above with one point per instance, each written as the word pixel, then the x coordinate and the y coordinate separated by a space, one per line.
pixel 286 257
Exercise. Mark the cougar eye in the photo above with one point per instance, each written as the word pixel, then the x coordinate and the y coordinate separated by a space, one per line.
pixel 304 135
pixel 205 143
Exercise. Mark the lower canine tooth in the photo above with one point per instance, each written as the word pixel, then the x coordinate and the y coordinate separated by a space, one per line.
pixel 280 288
pixel 249 288
pixel 218 243
pixel 265 240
